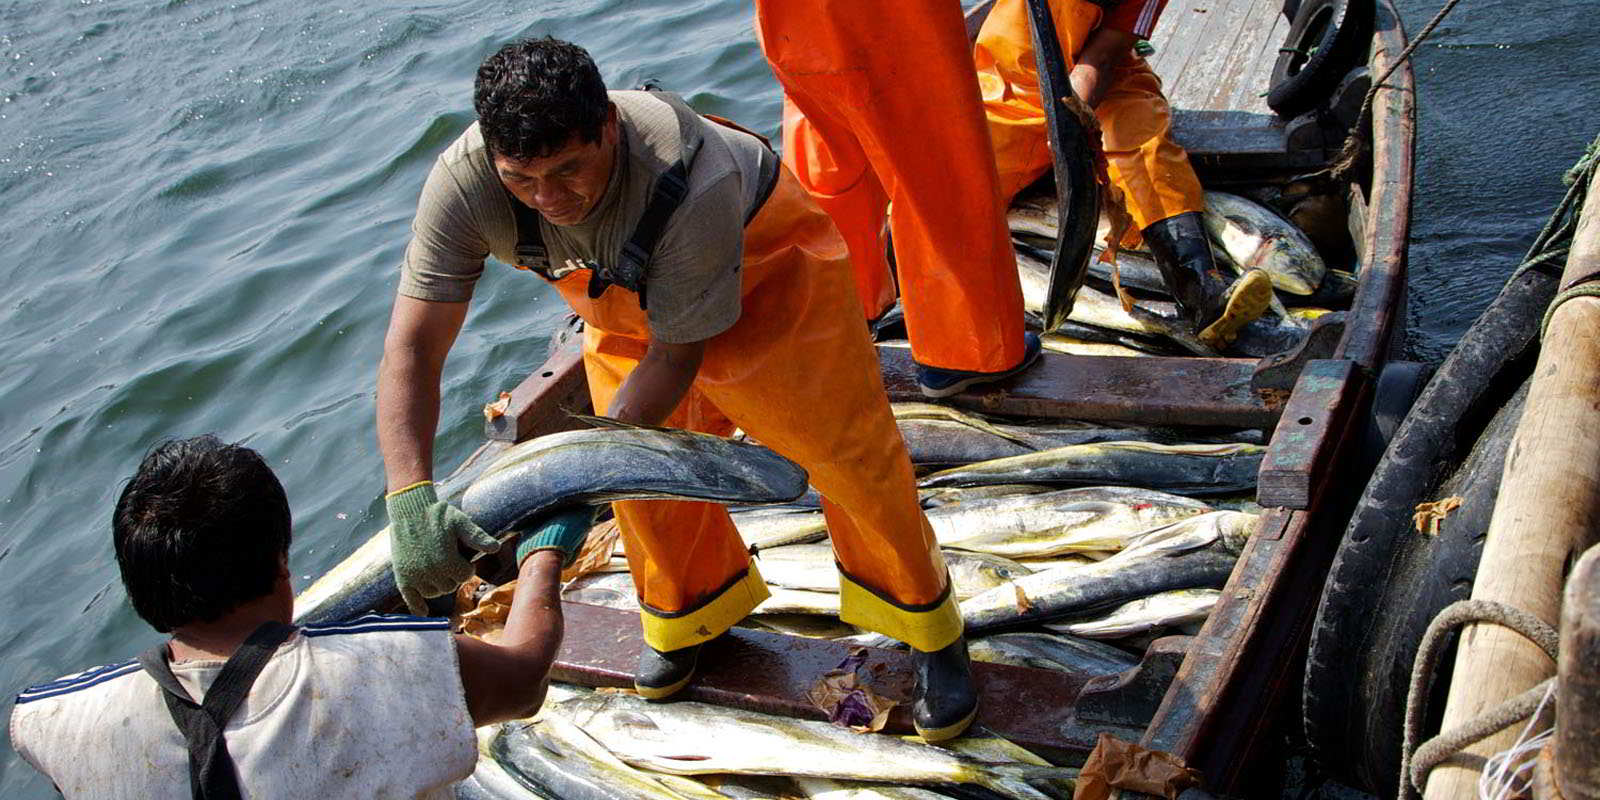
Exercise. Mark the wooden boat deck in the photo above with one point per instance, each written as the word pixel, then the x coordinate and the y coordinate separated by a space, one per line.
pixel 1216 55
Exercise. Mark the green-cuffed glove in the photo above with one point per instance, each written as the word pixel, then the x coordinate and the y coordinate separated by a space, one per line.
pixel 564 529
pixel 423 532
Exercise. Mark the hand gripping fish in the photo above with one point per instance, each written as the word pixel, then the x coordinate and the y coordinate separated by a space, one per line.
pixel 587 466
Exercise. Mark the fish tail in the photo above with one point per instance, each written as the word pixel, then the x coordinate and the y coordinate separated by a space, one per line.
pixel 1033 781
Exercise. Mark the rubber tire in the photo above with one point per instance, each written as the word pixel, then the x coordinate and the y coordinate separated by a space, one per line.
pixel 1383 624
pixel 1339 31
pixel 1343 720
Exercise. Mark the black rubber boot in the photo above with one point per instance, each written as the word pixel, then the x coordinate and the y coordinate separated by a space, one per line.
pixel 661 675
pixel 1216 309
pixel 945 699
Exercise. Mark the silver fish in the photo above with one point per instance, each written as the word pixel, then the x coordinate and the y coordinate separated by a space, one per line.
pixel 1256 237
pixel 931 411
pixel 933 498
pixel 811 567
pixel 1053 594
pixel 688 738
pixel 1062 653
pixel 1187 469
pixel 552 757
pixel 1057 343
pixel 810 626
pixel 1101 310
pixel 1052 523
pixel 608 589
pixel 763 530
pixel 1167 609
pixel 586 466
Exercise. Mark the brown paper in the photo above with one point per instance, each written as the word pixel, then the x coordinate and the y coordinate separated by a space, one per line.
pixel 1115 764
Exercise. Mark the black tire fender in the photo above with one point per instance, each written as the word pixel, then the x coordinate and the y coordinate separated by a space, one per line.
pixel 1327 39
pixel 1341 717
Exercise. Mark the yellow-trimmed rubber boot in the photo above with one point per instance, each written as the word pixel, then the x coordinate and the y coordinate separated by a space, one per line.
pixel 945 700
pixel 1215 309
pixel 662 674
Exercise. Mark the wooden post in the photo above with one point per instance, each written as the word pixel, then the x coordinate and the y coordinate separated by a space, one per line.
pixel 1577 743
pixel 1548 512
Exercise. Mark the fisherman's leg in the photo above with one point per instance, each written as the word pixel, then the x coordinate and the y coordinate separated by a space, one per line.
pixel 798 375
pixel 899 74
pixel 692 571
pixel 1009 82
pixel 1164 197
pixel 828 162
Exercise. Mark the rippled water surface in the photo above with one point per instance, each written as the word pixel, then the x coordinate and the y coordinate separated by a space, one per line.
pixel 205 204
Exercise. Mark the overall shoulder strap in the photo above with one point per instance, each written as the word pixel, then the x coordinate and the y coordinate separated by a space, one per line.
pixel 211 771
pixel 670 189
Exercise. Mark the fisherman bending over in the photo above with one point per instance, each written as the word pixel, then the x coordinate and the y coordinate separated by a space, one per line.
pixel 1159 185
pixel 381 706
pixel 716 294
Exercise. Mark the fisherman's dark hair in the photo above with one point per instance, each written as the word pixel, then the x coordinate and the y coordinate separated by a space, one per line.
pixel 199 530
pixel 535 95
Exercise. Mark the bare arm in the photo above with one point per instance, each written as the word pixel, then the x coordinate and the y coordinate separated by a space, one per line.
pixel 1091 75
pixel 508 680
pixel 421 333
pixel 658 384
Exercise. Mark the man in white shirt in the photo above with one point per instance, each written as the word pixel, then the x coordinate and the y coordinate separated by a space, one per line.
pixel 381 706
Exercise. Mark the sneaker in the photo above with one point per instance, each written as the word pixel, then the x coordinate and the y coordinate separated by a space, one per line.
pixel 936 382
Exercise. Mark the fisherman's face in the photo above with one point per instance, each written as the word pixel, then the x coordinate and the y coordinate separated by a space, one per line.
pixel 565 185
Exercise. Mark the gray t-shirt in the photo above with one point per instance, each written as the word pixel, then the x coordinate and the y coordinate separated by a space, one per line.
pixel 693 281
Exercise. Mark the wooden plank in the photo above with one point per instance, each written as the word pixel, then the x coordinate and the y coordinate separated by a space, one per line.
pixel 1319 412
pixel 1154 390
pixel 1383 274
pixel 1241 81
pixel 540 404
pixel 770 673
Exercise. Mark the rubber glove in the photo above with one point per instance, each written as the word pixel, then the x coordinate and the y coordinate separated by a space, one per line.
pixel 423 536
pixel 563 529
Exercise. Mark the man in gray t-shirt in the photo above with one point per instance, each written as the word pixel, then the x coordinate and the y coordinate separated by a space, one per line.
pixel 715 294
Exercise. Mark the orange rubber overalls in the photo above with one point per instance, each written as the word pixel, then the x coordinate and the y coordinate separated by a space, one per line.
pixel 892 114
pixel 798 374
pixel 1144 161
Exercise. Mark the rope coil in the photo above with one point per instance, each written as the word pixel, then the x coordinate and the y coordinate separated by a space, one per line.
pixel 1417 761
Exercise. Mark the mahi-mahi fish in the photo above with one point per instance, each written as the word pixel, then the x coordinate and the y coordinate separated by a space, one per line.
pixel 586 466
pixel 551 757
pixel 1061 653
pixel 1185 469
pixel 811 567
pixel 1132 574
pixel 689 738
pixel 1253 236
pixel 1163 610
pixel 1070 520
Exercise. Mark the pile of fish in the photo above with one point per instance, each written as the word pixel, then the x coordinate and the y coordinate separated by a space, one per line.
pixel 1244 235
pixel 1070 546
pixel 608 746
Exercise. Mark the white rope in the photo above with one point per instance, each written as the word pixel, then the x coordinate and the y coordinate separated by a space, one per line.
pixel 1510 773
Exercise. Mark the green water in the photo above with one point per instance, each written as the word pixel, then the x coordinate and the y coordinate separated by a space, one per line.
pixel 205 204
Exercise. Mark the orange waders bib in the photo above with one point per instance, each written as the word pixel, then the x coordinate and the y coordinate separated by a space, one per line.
pixel 1150 168
pixel 798 374
pixel 891 113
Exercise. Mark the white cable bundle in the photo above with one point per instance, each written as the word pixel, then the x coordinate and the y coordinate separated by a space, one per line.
pixel 1508 774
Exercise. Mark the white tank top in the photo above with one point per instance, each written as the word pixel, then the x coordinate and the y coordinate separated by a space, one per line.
pixel 371 708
